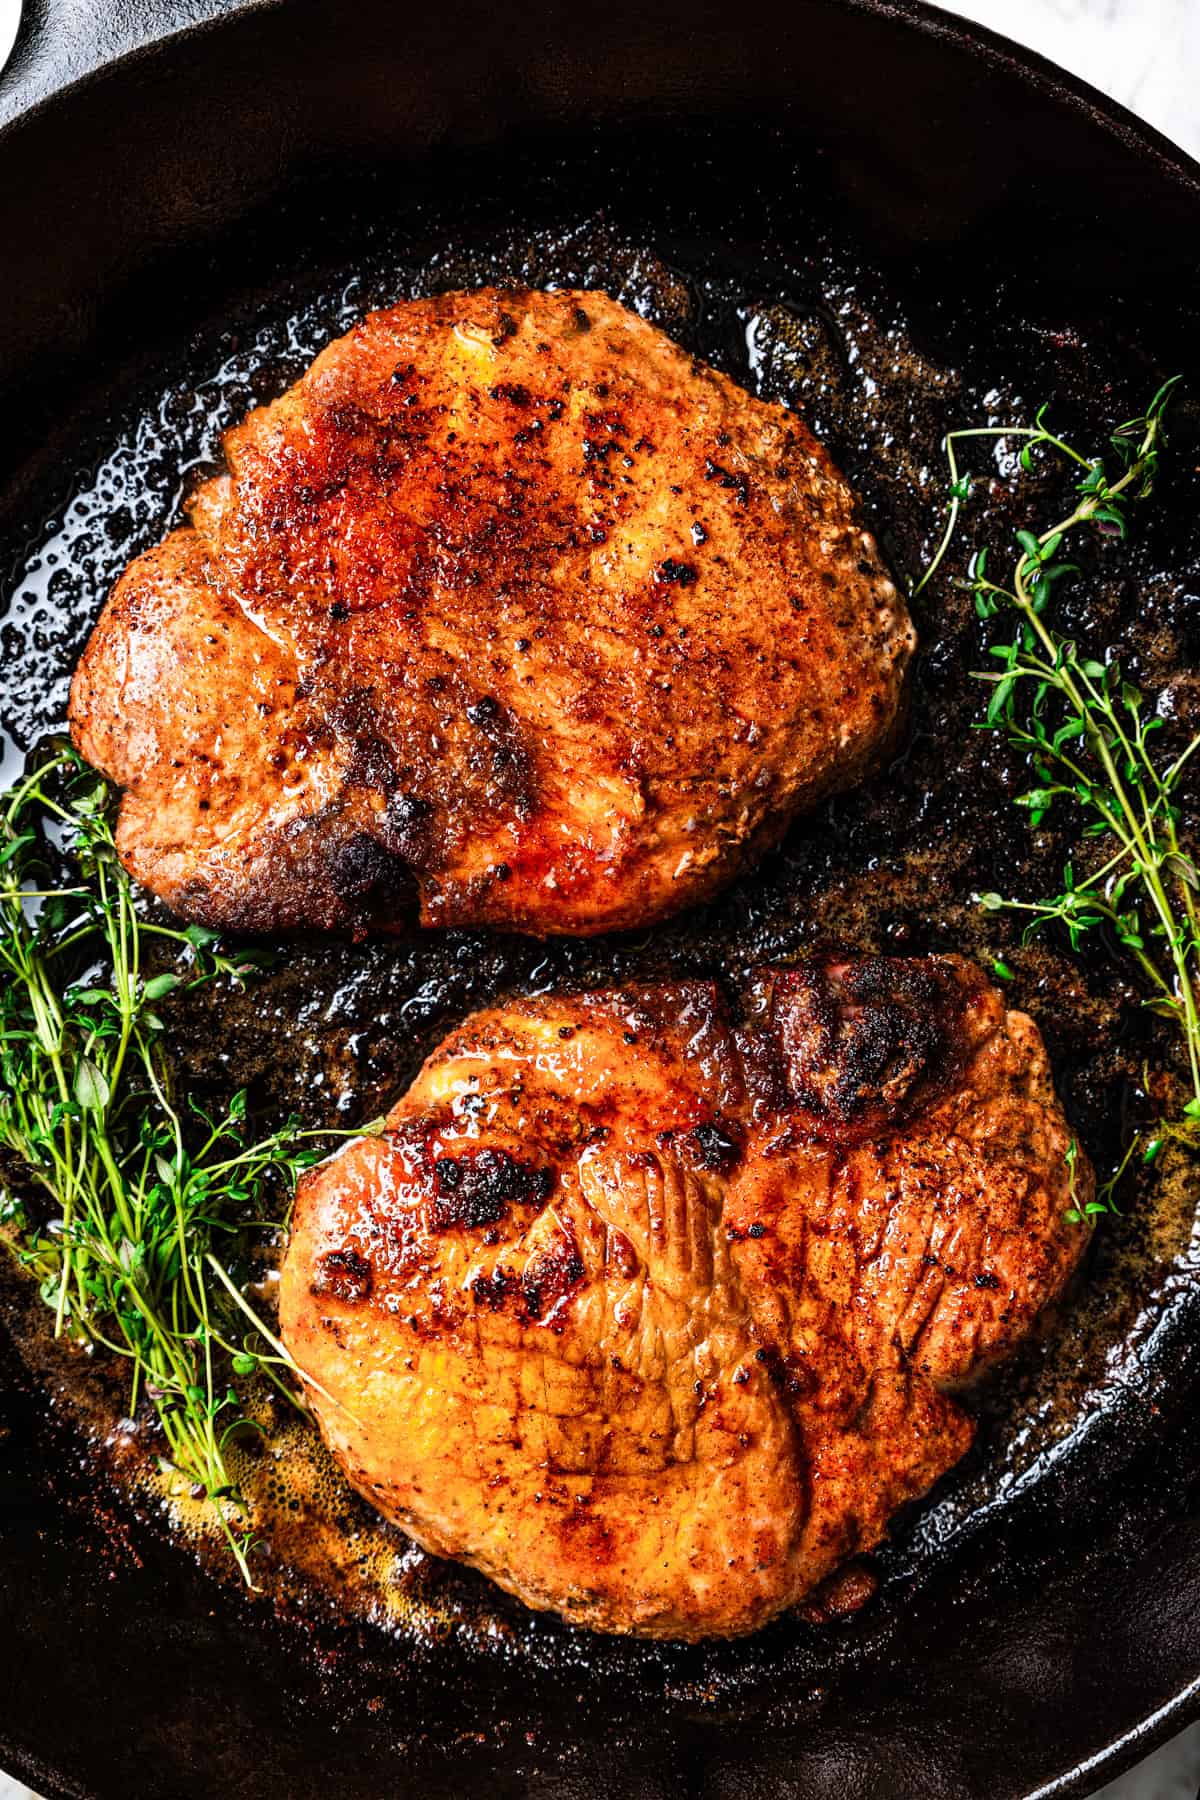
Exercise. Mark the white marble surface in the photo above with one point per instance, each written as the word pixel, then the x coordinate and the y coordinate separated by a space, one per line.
pixel 10 13
pixel 1147 54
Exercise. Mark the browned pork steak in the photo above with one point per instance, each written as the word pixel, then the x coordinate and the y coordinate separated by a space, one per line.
pixel 509 608
pixel 654 1318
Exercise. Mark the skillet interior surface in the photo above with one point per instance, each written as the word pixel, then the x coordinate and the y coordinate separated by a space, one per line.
pixel 902 250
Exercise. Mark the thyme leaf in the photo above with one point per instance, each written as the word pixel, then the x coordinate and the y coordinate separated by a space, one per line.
pixel 1089 734
pixel 145 1197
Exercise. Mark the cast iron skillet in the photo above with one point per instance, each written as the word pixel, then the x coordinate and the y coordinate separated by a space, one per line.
pixel 154 160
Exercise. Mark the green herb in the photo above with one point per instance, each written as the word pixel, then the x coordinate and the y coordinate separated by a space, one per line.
pixel 1089 735
pixel 145 1196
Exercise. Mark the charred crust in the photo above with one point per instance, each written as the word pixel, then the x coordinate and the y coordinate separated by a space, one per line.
pixel 364 868
pixel 477 1188
pixel 790 1374
pixel 484 711
pixel 515 392
pixel 493 1290
pixel 550 1276
pixel 405 826
pixel 371 764
pixel 715 1146
pixel 354 719
pixel 858 1044
pixel 738 485
pixel 677 574
pixel 344 1275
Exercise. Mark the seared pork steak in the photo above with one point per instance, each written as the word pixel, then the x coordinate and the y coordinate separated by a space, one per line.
pixel 654 1317
pixel 509 609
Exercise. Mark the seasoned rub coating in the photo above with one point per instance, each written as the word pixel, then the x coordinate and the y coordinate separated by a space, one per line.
pixel 656 1318
pixel 509 610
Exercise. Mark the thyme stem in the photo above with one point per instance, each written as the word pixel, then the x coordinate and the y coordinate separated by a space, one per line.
pixel 137 1188
pixel 1087 732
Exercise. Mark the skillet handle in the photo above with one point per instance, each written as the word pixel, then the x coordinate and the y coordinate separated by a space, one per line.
pixel 59 42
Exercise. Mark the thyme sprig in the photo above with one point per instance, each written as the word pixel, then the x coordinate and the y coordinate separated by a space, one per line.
pixel 1089 734
pixel 145 1195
